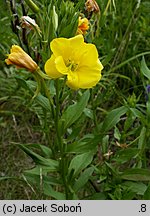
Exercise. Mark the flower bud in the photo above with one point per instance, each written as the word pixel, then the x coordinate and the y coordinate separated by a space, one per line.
pixel 21 59
pixel 32 6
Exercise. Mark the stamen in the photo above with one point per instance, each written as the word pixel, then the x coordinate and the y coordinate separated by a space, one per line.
pixel 71 65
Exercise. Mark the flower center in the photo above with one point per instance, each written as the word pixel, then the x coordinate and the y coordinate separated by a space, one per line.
pixel 71 65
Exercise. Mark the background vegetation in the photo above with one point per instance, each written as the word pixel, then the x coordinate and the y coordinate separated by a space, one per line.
pixel 116 120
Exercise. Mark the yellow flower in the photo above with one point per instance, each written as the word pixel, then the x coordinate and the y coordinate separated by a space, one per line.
pixel 75 59
pixel 21 59
pixel 83 25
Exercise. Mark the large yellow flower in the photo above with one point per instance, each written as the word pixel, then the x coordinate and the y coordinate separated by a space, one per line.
pixel 75 59
pixel 21 59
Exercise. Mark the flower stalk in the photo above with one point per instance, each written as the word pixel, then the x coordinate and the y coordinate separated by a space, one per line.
pixel 63 165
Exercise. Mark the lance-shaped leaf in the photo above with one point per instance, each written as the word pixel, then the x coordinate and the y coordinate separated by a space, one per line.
pixel 113 118
pixel 144 69
pixel 73 112
pixel 136 174
pixel 52 164
pixel 80 162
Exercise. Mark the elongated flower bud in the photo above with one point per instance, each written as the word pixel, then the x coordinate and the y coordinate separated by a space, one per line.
pixel 32 6
pixel 21 59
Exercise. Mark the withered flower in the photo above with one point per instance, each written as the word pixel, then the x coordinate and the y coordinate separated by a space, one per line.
pixel 92 6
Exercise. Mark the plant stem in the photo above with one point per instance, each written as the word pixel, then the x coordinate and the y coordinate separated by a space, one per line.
pixel 60 144
pixel 42 84
pixel 94 111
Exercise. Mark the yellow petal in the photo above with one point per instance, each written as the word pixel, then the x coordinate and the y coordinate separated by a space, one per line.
pixel 83 25
pixel 89 55
pixel 8 62
pixel 60 47
pixel 60 65
pixel 76 42
pixel 72 80
pixel 16 48
pixel 88 77
pixel 64 47
pixel 50 68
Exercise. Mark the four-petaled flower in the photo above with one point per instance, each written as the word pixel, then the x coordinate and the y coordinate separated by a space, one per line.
pixel 75 59
pixel 83 25
pixel 21 59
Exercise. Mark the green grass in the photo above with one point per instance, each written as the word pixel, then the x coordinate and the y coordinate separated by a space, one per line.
pixel 123 35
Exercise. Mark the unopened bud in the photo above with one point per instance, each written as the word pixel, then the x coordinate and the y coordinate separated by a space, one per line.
pixel 32 6
pixel 21 59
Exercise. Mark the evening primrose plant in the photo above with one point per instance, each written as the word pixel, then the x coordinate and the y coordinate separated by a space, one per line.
pixel 74 63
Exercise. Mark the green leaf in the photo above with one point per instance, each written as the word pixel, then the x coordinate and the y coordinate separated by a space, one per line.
pixel 71 29
pixel 112 168
pixel 148 109
pixel 22 83
pixel 136 187
pixel 136 174
pixel 37 170
pixel 137 113
pixel 45 184
pixel 80 162
pixel 52 164
pixel 113 118
pixel 46 152
pixel 28 85
pixel 97 196
pixel 144 69
pixel 141 143
pixel 83 179
pixel 86 144
pixel 74 111
pixel 89 113
pixel 43 101
pixel 49 191
pixel 128 195
pixel 147 193
pixel 40 174
pixel 117 134
pixel 105 144
pixel 125 155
